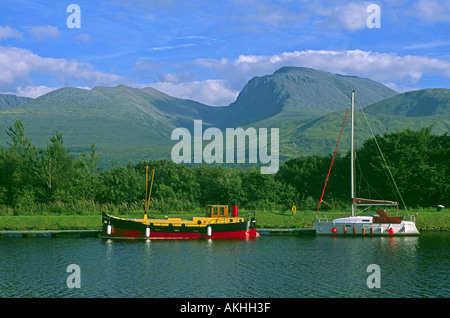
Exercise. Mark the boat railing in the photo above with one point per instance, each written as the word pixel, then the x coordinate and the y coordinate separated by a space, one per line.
pixel 318 219
pixel 218 220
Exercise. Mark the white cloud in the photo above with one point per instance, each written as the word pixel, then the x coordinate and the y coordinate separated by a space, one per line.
pixel 383 67
pixel 19 66
pixel 33 91
pixel 8 32
pixel 44 32
pixel 210 92
pixel 432 10
pixel 350 16
pixel 398 72
pixel 171 47
pixel 83 38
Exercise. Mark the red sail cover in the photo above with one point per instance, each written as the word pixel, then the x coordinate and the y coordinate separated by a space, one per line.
pixel 384 218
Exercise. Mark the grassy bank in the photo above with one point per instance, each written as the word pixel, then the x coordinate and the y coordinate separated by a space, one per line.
pixel 427 220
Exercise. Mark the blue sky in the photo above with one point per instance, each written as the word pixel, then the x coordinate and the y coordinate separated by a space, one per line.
pixel 208 50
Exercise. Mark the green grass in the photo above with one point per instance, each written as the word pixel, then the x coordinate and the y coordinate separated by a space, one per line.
pixel 427 220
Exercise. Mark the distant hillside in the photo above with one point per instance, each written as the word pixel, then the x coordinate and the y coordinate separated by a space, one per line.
pixel 414 110
pixel 425 102
pixel 303 92
pixel 10 101
pixel 307 106
pixel 125 124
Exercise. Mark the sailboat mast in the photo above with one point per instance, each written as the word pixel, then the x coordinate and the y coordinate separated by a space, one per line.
pixel 352 158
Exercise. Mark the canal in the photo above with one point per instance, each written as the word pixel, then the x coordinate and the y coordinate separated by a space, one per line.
pixel 266 267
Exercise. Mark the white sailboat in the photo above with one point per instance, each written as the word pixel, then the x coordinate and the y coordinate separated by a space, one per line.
pixel 380 225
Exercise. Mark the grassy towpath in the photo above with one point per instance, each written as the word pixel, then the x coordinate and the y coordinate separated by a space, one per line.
pixel 427 220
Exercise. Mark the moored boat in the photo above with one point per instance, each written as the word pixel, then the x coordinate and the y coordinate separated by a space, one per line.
pixel 217 223
pixel 379 224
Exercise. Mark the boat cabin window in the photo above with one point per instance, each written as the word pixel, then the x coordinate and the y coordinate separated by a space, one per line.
pixel 217 211
pixel 366 220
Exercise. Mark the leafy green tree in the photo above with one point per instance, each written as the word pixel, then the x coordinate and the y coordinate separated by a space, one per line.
pixel 54 171
pixel 121 184
pixel 418 167
pixel 16 164
pixel 264 191
pixel 86 179
pixel 219 185
pixel 307 175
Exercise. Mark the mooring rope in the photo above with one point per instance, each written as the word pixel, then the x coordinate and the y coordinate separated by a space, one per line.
pixel 382 156
pixel 332 160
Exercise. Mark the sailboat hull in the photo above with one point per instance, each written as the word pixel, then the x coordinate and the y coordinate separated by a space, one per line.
pixel 335 227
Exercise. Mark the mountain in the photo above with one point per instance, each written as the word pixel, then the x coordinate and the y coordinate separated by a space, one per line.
pixel 11 101
pixel 425 102
pixel 414 110
pixel 125 124
pixel 302 92
pixel 307 106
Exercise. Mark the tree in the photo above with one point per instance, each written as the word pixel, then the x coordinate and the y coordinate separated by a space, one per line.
pixel 418 162
pixel 54 171
pixel 86 180
pixel 16 164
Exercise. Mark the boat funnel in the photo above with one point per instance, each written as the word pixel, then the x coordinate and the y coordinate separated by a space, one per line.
pixel 234 211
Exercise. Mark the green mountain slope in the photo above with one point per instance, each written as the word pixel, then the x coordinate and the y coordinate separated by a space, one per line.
pixel 11 101
pixel 414 110
pixel 121 121
pixel 307 106
pixel 425 102
pixel 301 92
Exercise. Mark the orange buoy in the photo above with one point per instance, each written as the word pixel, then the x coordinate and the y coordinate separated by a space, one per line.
pixel 345 229
pixel 364 231
pixel 354 229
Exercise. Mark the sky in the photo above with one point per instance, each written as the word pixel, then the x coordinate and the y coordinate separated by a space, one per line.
pixel 208 50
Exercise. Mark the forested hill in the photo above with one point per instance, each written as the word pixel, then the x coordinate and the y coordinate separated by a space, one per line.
pixel 31 178
pixel 11 101
pixel 307 106
pixel 420 103
pixel 301 92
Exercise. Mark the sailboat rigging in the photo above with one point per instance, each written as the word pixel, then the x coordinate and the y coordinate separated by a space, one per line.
pixel 363 225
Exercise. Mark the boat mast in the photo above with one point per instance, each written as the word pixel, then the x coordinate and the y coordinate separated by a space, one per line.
pixel 352 158
pixel 147 200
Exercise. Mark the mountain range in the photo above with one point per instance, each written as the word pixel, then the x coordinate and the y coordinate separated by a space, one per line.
pixel 308 106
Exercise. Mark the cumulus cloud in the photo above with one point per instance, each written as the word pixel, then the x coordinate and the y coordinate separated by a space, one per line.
pixel 401 73
pixel 350 16
pixel 20 65
pixel 210 92
pixel 83 38
pixel 44 32
pixel 431 11
pixel 33 91
pixel 383 67
pixel 8 32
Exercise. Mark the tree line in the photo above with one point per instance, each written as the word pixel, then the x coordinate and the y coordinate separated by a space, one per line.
pixel 418 162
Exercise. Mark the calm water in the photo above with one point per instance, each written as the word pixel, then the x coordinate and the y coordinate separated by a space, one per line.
pixel 267 267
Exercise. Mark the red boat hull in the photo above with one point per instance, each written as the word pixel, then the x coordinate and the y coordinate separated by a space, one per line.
pixel 116 228
pixel 133 234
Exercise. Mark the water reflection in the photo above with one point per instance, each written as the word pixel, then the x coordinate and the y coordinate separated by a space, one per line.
pixel 270 266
